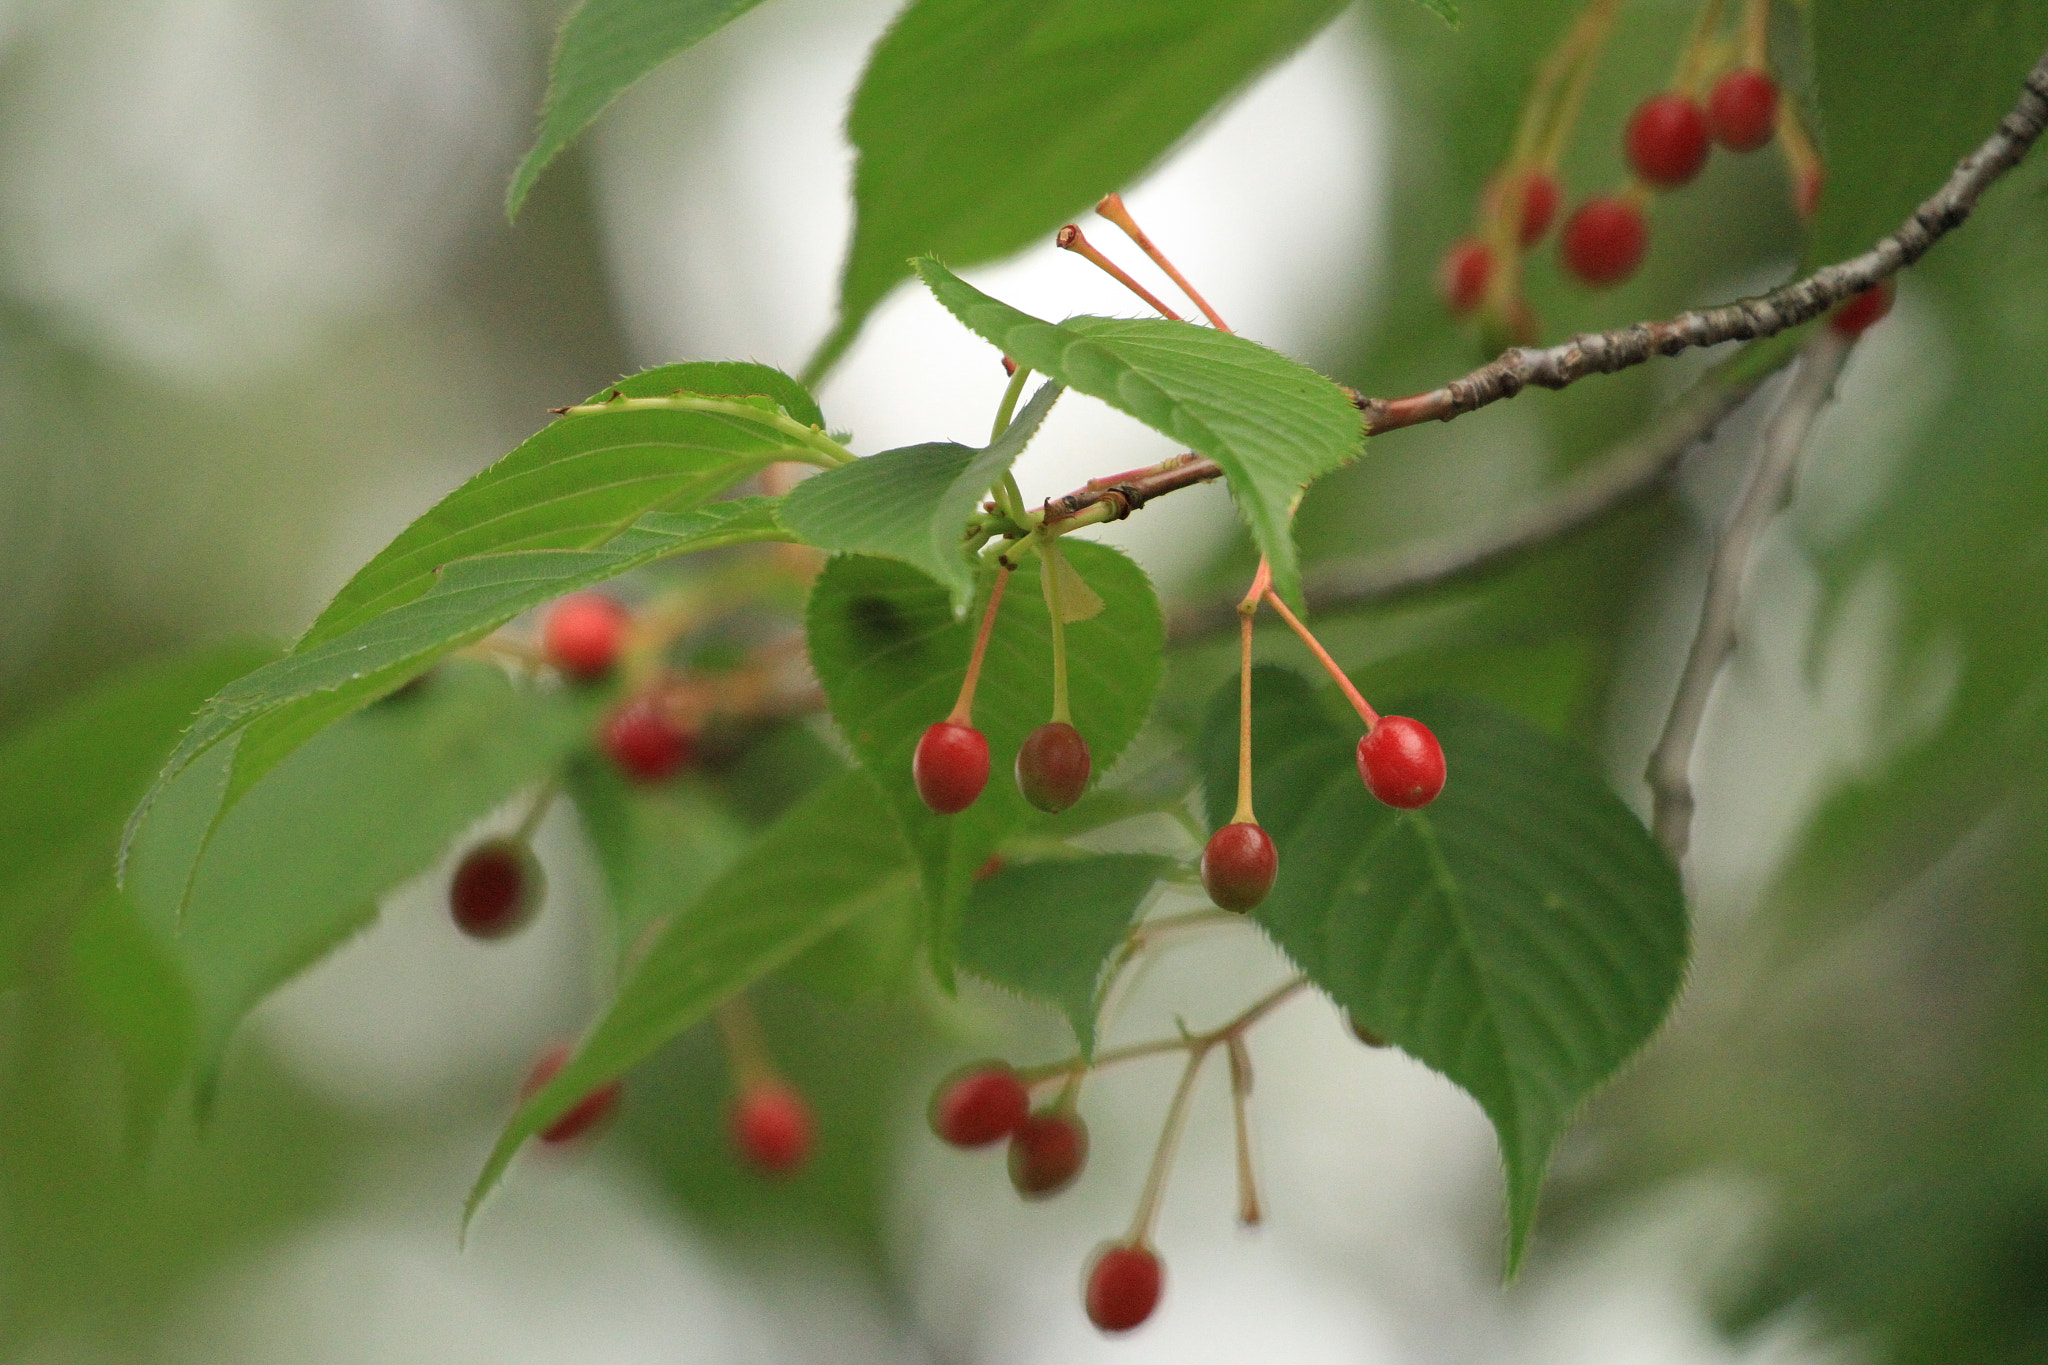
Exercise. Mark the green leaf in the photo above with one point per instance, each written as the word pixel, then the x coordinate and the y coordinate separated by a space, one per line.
pixel 827 862
pixel 1443 9
pixel 1522 934
pixel 1274 425
pixel 131 986
pixel 297 867
pixel 912 504
pixel 1046 929
pixel 1907 88
pixel 982 125
pixel 891 655
pixel 605 46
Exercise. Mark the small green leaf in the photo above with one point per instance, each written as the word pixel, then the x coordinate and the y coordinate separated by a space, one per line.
pixel 605 46
pixel 826 863
pixel 1274 425
pixel 912 504
pixel 1046 929
pixel 891 655
pixel 982 125
pixel 1522 934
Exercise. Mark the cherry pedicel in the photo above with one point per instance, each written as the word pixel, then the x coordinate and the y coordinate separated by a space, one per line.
pixel 1047 1151
pixel 950 766
pixel 980 1104
pixel 1742 109
pixel 645 741
pixel 496 888
pixel 1123 1285
pixel 584 634
pixel 771 1126
pixel 1466 270
pixel 1401 763
pixel 1239 864
pixel 1604 240
pixel 588 1112
pixel 1667 139
pixel 1052 766
pixel 1861 311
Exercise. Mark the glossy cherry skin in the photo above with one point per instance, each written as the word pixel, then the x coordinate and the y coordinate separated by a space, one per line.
pixel 584 633
pixel 771 1126
pixel 496 888
pixel 1742 109
pixel 1857 315
pixel 980 1104
pixel 1401 763
pixel 1239 865
pixel 1052 766
pixel 1463 276
pixel 645 741
pixel 1603 241
pixel 1667 139
pixel 950 766
pixel 1123 1286
pixel 588 1113
pixel 1047 1151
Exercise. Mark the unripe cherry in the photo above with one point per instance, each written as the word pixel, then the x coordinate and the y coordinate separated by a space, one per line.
pixel 950 766
pixel 1123 1285
pixel 1401 763
pixel 587 1113
pixel 1052 766
pixel 1047 1151
pixel 1667 139
pixel 1856 316
pixel 584 633
pixel 1239 864
pixel 1462 277
pixel 771 1126
pixel 1603 241
pixel 979 1104
pixel 496 888
pixel 645 741
pixel 1742 109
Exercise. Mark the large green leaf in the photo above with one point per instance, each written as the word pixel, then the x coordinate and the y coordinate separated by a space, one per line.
pixel 1274 425
pixel 1521 934
pixel 891 654
pixel 982 125
pixel 911 504
pixel 604 47
pixel 828 861
pixel 131 986
pixel 1046 929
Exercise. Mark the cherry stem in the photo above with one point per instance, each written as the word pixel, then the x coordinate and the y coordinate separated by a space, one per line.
pixel 1049 567
pixel 1262 583
pixel 1112 208
pixel 1692 58
pixel 1008 407
pixel 536 812
pixel 1358 703
pixel 963 709
pixel 1756 34
pixel 1589 35
pixel 1169 1142
pixel 1238 1023
pixel 1240 1056
pixel 746 1047
pixel 1072 239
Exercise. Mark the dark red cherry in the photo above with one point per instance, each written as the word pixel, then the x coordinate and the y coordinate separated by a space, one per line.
pixel 1856 316
pixel 1667 139
pixel 1052 766
pixel 584 633
pixel 1539 198
pixel 950 766
pixel 980 1104
pixel 1239 865
pixel 771 1126
pixel 496 888
pixel 588 1113
pixel 1462 278
pixel 1123 1285
pixel 1047 1151
pixel 1401 763
pixel 1603 241
pixel 1742 109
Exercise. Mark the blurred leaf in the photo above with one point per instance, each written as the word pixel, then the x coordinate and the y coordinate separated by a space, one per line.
pixel 891 656
pixel 982 125
pixel 605 46
pixel 823 865
pixel 1907 88
pixel 1521 934
pixel 1274 425
pixel 133 990
pixel 911 504
pixel 1046 929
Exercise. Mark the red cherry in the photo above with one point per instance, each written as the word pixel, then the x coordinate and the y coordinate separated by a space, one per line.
pixel 1047 1151
pixel 583 635
pixel 1855 316
pixel 1401 763
pixel 645 741
pixel 1052 766
pixel 1806 195
pixel 588 1112
pixel 1667 139
pixel 1539 206
pixel 771 1125
pixel 1463 276
pixel 1239 865
pixel 1124 1281
pixel 1603 241
pixel 980 1104
pixel 1742 109
pixel 496 888
pixel 950 766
